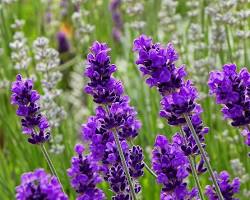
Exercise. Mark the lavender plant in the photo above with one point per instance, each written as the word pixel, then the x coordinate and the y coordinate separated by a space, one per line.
pixel 228 189
pixel 83 29
pixel 232 91
pixel 170 164
pixel 114 7
pixel 134 9
pixel 113 126
pixel 47 61
pixel 20 50
pixel 178 97
pixel 84 176
pixel 34 124
pixel 39 185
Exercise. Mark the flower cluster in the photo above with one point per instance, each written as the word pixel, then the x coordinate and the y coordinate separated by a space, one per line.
pixel 157 63
pixel 32 120
pixel 102 86
pixel 39 185
pixel 117 19
pixel 231 90
pixel 114 115
pixel 170 164
pixel 19 47
pixel 81 24
pixel 84 176
pixel 228 189
pixel 47 60
pixel 135 9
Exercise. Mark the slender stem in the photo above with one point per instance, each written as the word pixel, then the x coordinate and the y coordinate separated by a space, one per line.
pixel 149 170
pixel 193 169
pixel 124 164
pixel 204 156
pixel 228 43
pixel 51 166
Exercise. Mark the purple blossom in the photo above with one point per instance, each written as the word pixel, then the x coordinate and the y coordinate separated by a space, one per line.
pixel 32 120
pixel 170 165
pixel 179 97
pixel 114 114
pixel 231 90
pixel 84 176
pixel 118 183
pixel 102 86
pixel 228 189
pixel 158 64
pixel 136 162
pixel 191 148
pixel 178 103
pixel 117 19
pixel 63 42
pixel 39 185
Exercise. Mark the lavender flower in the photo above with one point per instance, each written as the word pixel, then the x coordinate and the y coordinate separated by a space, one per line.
pixel 228 189
pixel 178 103
pixel 158 64
pixel 84 176
pixel 39 185
pixel 26 99
pixel 118 183
pixel 179 97
pixel 117 19
pixel 114 123
pixel 19 47
pixel 63 42
pixel 102 86
pixel 136 162
pixel 231 90
pixel 47 60
pixel 191 148
pixel 170 164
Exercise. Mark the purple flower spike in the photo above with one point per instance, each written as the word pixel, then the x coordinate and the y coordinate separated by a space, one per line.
pixel 170 165
pixel 63 42
pixel 157 63
pixel 118 183
pixel 32 120
pixel 114 7
pixel 39 185
pixel 136 162
pixel 84 176
pixel 228 189
pixel 102 86
pixel 231 90
pixel 113 116
pixel 178 103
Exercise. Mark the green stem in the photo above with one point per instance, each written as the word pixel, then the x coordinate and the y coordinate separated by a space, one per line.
pixel 204 156
pixel 193 169
pixel 149 170
pixel 51 166
pixel 228 43
pixel 124 164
